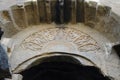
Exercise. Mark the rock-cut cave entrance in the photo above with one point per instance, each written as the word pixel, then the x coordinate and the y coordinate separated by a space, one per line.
pixel 62 68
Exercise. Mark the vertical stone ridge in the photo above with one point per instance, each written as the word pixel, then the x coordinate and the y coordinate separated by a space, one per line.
pixel 53 10
pixel 48 11
pixel 19 16
pixel 80 11
pixel 31 13
pixel 67 10
pixel 90 13
pixel 42 10
pixel 59 12
pixel 73 12
pixel 61 5
pixel 5 15
pixel 104 19
pixel 103 11
pixel 7 23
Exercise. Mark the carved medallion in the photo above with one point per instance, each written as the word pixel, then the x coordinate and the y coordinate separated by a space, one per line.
pixel 83 41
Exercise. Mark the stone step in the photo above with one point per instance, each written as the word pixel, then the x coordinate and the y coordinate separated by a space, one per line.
pixel 103 11
pixel 5 15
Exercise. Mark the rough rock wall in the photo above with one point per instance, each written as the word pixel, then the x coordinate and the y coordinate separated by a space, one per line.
pixel 19 17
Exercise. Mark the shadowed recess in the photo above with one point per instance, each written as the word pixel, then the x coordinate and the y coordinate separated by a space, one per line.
pixel 117 49
pixel 57 68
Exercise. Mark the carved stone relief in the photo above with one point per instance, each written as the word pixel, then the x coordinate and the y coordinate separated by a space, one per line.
pixel 83 41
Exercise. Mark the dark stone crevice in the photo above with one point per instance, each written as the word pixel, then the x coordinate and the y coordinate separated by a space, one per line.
pixel 67 10
pixel 80 15
pixel 117 49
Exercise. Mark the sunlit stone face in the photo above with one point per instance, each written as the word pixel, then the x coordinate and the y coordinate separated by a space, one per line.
pixel 31 0
pixel 98 1
pixel 57 46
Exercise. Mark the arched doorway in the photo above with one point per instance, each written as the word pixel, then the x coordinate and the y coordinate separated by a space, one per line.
pixel 62 68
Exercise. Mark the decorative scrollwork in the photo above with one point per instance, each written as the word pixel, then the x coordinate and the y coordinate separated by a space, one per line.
pixel 37 40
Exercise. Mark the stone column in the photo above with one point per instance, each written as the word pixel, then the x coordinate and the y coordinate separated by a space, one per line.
pixel 16 77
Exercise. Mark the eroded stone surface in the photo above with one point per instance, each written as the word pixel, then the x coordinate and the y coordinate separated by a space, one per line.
pixel 31 13
pixel 41 39
pixel 4 66
pixel 37 40
pixel 90 13
pixel 19 16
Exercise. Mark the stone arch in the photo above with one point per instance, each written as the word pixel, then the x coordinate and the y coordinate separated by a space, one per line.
pixel 66 61
pixel 21 54
pixel 50 45
pixel 40 58
pixel 18 23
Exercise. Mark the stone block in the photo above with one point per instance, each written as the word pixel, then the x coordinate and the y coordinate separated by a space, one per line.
pixel 48 11
pixel 58 10
pixel 17 77
pixel 9 28
pixel 73 12
pixel 90 13
pixel 67 11
pixel 80 11
pixel 5 15
pixel 53 10
pixel 103 11
pixel 19 16
pixel 42 10
pixel 31 13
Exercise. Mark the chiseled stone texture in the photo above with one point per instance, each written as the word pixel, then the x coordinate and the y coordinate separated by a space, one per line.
pixel 115 4
pixel 96 16
pixel 30 35
pixel 22 56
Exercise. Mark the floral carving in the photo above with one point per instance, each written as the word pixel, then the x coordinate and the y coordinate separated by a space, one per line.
pixel 37 40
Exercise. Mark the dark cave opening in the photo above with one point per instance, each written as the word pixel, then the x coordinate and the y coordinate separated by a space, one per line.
pixel 62 68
